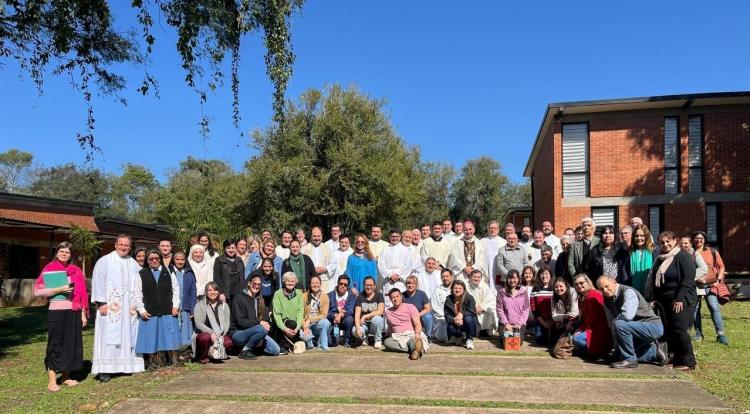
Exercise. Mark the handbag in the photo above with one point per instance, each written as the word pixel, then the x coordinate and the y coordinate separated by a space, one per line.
pixel 217 350
pixel 721 290
pixel 512 340
pixel 563 348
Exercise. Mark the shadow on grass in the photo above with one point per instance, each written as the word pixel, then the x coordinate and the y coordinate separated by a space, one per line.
pixel 21 326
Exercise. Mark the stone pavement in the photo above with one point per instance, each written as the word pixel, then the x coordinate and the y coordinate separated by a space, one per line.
pixel 448 379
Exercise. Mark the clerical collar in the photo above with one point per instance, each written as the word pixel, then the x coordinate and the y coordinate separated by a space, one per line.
pixel 437 239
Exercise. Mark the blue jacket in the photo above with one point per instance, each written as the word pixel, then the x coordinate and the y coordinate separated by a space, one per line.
pixel 189 294
pixel 333 309
pixel 254 260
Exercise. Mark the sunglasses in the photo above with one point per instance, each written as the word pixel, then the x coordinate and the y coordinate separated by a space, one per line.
pixel 343 284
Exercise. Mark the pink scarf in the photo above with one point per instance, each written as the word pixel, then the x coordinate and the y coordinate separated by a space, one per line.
pixel 80 296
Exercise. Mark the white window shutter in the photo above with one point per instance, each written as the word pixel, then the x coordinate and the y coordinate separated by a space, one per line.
pixel 671 138
pixel 604 216
pixel 695 141
pixel 575 141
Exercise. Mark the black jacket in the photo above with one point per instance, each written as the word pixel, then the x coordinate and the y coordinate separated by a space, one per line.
pixel 468 308
pixel 679 280
pixel 230 276
pixel 157 297
pixel 247 311
pixel 595 263
pixel 303 281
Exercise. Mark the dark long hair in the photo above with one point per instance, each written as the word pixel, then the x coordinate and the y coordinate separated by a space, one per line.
pixel 567 298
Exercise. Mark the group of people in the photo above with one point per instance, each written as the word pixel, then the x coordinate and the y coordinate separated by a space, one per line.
pixel 437 283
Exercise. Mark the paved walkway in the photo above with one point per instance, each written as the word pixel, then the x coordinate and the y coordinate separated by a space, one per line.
pixel 448 379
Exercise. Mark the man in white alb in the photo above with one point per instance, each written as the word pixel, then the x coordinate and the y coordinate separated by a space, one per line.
pixel 436 246
pixel 550 238
pixel 333 242
pixel 282 250
pixel 340 256
pixel 321 258
pixel 394 264
pixel 492 244
pixel 467 254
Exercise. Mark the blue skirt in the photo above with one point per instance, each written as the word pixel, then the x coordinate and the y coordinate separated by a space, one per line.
pixel 186 329
pixel 158 333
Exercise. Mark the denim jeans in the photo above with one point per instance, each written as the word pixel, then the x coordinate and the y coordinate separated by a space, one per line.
pixel 376 325
pixel 637 340
pixel 427 321
pixel 579 341
pixel 713 306
pixel 250 338
pixel 469 327
pixel 319 330
pixel 345 329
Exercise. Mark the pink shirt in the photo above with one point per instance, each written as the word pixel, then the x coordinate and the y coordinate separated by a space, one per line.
pixel 400 320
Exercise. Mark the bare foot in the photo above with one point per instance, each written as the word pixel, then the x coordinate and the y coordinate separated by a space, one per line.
pixel 70 382
pixel 53 387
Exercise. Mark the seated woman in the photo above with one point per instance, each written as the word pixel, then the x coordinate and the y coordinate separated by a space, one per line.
pixel 341 311
pixel 250 327
pixel 541 307
pixel 157 300
pixel 68 310
pixel 593 337
pixel 188 296
pixel 527 281
pixel 212 321
pixel 460 315
pixel 513 305
pixel 316 324
pixel 288 313
pixel 564 306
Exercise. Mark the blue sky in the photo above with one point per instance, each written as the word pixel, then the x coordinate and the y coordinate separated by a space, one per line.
pixel 461 82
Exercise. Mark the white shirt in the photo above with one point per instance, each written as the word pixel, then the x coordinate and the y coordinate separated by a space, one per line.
pixel 428 282
pixel 333 245
pixel 376 247
pixel 440 251
pixel 320 256
pixel 282 252
pixel 554 242
pixel 457 260
pixel 339 258
pixel 395 259
pixel 491 246
pixel 437 302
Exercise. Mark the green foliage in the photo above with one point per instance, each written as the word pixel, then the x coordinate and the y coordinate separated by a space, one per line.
pixel 134 194
pixel 438 181
pixel 84 243
pixel 68 182
pixel 201 195
pixel 14 168
pixel 337 160
pixel 483 193
pixel 81 40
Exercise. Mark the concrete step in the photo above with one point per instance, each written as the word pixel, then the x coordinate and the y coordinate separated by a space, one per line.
pixel 389 362
pixel 155 406
pixel 652 393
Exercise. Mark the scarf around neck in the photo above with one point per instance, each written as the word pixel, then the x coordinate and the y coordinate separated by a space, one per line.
pixel 297 264
pixel 667 260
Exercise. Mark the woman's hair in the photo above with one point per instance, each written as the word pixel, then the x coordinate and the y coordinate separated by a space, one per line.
pixel 700 233
pixel 213 285
pixel 368 253
pixel 511 273
pixel 138 249
pixel 668 234
pixel 611 229
pixel 209 250
pixel 538 278
pixel 156 252
pixel 520 275
pixel 646 234
pixel 463 285
pixel 295 241
pixel 309 292
pixel 416 281
pixel 589 284
pixel 180 253
pixel 227 243
pixel 289 276
pixel 64 245
pixel 566 298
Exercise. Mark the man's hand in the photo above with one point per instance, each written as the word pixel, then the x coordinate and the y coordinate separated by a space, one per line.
pixel 175 311
pixel 223 298
pixel 145 315
pixel 103 310
pixel 320 269
pixel 677 307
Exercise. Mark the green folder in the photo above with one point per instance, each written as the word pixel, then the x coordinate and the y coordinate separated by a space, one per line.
pixel 54 280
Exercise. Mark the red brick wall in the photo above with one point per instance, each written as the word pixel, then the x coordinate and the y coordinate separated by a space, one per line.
pixel 735 226
pixel 627 212
pixel 684 218
pixel 570 217
pixel 727 151
pixel 544 179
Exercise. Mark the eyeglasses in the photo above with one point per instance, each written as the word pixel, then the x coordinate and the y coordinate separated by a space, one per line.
pixel 581 283
pixel 153 259
pixel 343 284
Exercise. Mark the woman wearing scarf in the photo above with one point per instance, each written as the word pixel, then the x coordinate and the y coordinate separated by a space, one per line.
pixel 68 310
pixel 212 323
pixel 460 315
pixel 641 258
pixel 188 296
pixel 202 269
pixel 361 264
pixel 269 280
pixel 672 284
pixel 157 301
pixel 229 272
pixel 300 264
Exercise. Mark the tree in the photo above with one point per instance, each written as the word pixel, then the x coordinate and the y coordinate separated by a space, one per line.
pixel 84 243
pixel 81 40
pixel 483 193
pixel 438 181
pixel 134 194
pixel 70 183
pixel 202 195
pixel 337 160
pixel 15 166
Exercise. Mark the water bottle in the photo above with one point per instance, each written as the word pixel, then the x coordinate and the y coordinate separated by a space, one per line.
pixel 336 331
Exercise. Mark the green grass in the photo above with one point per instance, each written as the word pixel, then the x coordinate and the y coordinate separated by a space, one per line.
pixel 722 370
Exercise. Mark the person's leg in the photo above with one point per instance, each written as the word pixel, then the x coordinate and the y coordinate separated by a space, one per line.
pixel 271 347
pixel 346 328
pixel 427 322
pixel 580 341
pixel 469 326
pixel 202 343
pixel 393 345
pixel 679 324
pixel 453 331
pixel 540 334
pixel 227 343
pixel 377 324
pixel 624 340
pixel 697 322
pixel 715 308
pixel 52 381
pixel 646 341
pixel 320 331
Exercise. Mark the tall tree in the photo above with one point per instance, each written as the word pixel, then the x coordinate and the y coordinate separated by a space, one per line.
pixel 81 40
pixel 439 178
pixel 134 194
pixel 483 193
pixel 15 166
pixel 337 160
pixel 69 182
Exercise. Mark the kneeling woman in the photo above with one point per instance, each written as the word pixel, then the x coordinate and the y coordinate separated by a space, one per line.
pixel 212 323
pixel 157 299
pixel 316 324
pixel 250 325
pixel 460 314
pixel 593 337
pixel 68 307
pixel 513 305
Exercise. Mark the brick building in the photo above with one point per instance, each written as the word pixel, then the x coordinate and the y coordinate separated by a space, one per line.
pixel 680 162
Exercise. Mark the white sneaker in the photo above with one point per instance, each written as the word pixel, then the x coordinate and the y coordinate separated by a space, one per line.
pixel 378 345
pixel 469 344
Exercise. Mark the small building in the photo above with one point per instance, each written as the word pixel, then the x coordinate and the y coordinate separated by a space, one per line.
pixel 680 162
pixel 519 216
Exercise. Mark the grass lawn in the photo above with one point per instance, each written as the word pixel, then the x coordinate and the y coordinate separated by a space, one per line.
pixel 722 370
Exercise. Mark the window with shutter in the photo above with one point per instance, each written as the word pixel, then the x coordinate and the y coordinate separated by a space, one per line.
pixel 654 220
pixel 575 141
pixel 671 155
pixel 712 223
pixel 695 154
pixel 604 216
